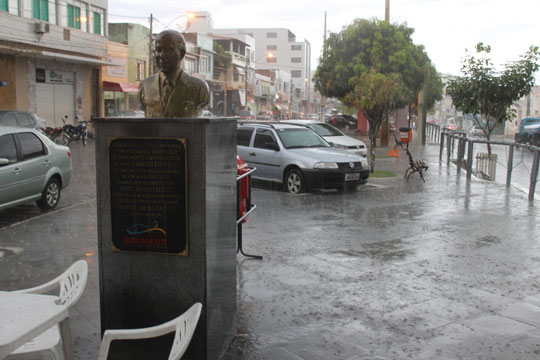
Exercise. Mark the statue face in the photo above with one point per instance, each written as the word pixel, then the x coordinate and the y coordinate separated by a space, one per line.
pixel 167 54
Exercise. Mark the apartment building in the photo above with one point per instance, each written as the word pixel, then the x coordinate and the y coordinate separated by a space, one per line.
pixel 51 54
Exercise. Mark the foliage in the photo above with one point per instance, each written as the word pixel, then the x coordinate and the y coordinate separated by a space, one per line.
pixel 222 59
pixel 374 65
pixel 376 95
pixel 482 91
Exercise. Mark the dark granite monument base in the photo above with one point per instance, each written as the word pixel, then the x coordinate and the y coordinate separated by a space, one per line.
pixel 167 230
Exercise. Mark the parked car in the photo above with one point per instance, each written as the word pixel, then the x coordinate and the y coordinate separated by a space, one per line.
pixel 245 115
pixel 334 136
pixel 22 119
pixel 342 121
pixel 298 158
pixel 206 114
pixel 264 115
pixel 476 131
pixel 529 131
pixel 32 168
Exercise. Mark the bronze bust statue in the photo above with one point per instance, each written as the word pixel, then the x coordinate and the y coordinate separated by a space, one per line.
pixel 172 92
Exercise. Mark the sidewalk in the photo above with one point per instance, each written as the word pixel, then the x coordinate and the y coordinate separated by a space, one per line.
pixel 446 269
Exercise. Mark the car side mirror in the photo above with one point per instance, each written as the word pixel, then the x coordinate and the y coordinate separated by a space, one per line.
pixel 3 161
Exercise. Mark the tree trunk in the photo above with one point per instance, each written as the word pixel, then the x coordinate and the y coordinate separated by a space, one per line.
pixel 373 143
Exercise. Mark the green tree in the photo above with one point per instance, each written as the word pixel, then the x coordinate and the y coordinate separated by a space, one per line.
pixel 487 94
pixel 376 95
pixel 367 61
pixel 222 59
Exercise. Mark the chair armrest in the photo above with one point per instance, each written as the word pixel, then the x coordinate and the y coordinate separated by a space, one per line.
pixel 43 288
pixel 133 334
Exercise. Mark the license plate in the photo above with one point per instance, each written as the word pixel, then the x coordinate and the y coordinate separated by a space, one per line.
pixel 352 176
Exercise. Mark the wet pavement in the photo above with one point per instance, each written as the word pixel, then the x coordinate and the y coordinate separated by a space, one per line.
pixel 446 269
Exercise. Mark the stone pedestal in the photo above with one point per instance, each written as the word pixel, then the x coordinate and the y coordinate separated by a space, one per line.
pixel 167 229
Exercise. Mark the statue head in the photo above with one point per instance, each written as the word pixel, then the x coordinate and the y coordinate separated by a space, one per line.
pixel 169 50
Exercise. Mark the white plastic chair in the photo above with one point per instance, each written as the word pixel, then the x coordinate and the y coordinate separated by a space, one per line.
pixel 70 286
pixel 183 326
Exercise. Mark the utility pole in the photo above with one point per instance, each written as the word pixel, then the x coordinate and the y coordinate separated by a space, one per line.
pixel 323 99
pixel 246 82
pixel 384 125
pixel 150 52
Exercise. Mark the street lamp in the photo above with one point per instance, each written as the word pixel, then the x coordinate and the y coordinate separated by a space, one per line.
pixel 189 15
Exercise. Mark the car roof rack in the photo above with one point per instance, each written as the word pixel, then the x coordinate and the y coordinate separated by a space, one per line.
pixel 266 123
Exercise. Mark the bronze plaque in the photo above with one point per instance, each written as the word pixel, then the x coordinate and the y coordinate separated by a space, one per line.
pixel 148 178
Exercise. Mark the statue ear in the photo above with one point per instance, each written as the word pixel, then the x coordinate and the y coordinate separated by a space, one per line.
pixel 182 53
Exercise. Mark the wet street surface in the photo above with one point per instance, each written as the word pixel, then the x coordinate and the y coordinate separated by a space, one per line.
pixel 446 269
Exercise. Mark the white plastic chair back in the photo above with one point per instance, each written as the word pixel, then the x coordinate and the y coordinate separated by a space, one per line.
pixel 184 327
pixel 68 288
pixel 70 284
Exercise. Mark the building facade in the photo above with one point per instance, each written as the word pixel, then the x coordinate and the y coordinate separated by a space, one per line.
pixel 129 51
pixel 51 56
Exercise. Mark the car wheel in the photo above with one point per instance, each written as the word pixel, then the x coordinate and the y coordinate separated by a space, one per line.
pixel 294 182
pixel 50 196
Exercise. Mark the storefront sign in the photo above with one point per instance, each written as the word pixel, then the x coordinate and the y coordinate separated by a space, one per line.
pixel 59 77
pixel 119 69
pixel 148 178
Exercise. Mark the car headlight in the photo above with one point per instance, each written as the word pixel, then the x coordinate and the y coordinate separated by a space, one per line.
pixel 325 165
pixel 339 146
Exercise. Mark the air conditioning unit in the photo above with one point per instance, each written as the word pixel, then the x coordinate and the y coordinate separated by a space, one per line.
pixel 41 28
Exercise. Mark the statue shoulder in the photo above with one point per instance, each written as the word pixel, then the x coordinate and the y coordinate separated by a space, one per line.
pixel 196 82
pixel 153 79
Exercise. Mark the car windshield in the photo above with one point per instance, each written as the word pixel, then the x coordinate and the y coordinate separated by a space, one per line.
pixel 324 129
pixel 300 138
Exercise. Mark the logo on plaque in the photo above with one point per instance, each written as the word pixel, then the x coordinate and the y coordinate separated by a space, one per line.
pixel 148 180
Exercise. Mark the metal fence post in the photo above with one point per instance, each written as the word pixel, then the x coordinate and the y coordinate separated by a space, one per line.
pixel 510 166
pixel 470 155
pixel 459 154
pixel 449 141
pixel 441 146
pixel 534 175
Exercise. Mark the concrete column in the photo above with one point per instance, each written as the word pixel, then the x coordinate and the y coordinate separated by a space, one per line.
pixel 167 229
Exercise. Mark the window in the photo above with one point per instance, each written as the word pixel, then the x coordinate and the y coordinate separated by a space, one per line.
pixel 8 120
pixel 40 9
pixel 204 64
pixel 141 70
pixel 4 5
pixel 31 146
pixel 24 120
pixel 271 47
pixel 264 139
pixel 74 16
pixel 296 73
pixel 296 47
pixel 97 23
pixel 7 148
pixel 271 35
pixel 296 60
pixel 190 66
pixel 243 136
pixel 272 59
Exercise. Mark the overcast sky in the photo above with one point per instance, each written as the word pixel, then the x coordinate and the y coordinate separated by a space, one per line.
pixel 445 27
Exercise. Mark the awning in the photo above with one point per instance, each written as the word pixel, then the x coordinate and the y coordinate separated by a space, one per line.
pixel 239 70
pixel 120 87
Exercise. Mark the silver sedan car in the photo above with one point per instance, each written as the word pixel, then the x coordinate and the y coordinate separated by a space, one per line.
pixel 298 157
pixel 32 168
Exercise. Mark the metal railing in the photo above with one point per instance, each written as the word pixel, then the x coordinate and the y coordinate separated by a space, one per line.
pixel 461 150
